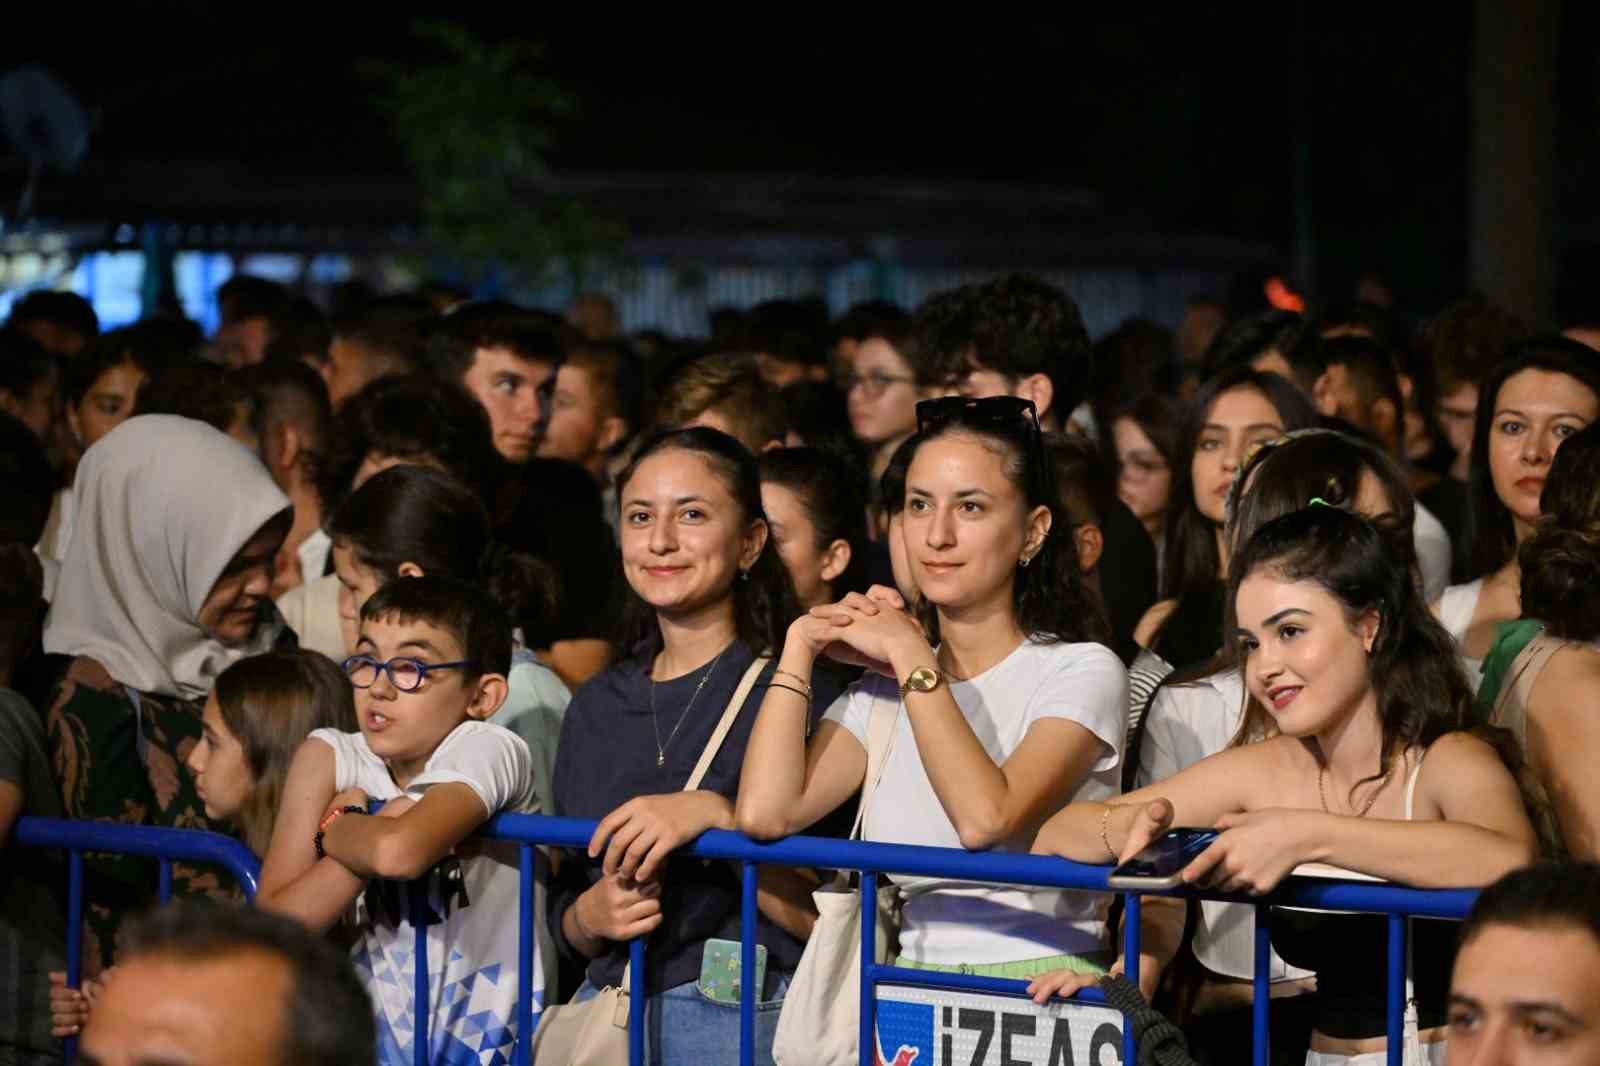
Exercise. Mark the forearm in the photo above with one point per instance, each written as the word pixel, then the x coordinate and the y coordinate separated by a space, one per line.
pixel 318 898
pixel 773 779
pixel 784 896
pixel 577 934
pixel 972 790
pixel 1084 831
pixel 1425 854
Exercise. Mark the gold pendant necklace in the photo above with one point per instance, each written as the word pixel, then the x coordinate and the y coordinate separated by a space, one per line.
pixel 1322 792
pixel 662 745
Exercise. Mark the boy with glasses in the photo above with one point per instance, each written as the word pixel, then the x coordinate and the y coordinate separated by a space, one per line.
pixel 430 669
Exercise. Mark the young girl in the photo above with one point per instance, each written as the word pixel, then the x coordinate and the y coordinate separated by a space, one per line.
pixel 1009 709
pixel 260 711
pixel 1366 712
pixel 1544 392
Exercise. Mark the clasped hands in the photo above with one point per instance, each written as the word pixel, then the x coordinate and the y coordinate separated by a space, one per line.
pixel 872 629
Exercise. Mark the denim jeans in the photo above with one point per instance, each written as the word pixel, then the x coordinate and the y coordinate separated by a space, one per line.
pixel 682 1027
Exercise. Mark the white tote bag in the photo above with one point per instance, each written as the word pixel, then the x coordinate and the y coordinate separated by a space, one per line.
pixel 595 1032
pixel 820 1022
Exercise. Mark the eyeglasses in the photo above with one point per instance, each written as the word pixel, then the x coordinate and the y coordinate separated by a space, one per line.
pixel 874 384
pixel 1139 468
pixel 405 674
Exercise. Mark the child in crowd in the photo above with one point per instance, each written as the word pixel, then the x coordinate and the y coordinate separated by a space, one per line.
pixel 261 711
pixel 430 668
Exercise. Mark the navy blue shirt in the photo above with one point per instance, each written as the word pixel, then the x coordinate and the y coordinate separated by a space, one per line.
pixel 607 756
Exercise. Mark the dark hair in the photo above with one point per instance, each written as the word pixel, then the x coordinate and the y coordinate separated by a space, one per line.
pixel 1421 692
pixel 393 331
pixel 328 1018
pixel 1052 601
pixel 21 585
pixel 1286 474
pixel 271 703
pixel 424 516
pixel 816 413
pixel 299 331
pixel 289 391
pixel 143 345
pixel 1018 326
pixel 1087 490
pixel 65 309
pixel 1466 339
pixel 1493 535
pixel 1371 370
pixel 30 483
pixel 765 603
pixel 526 334
pixel 790 331
pixel 1157 418
pixel 1190 542
pixel 830 490
pixel 24 364
pixel 730 385
pixel 892 482
pixel 1356 318
pixel 617 378
pixel 1244 340
pixel 868 319
pixel 201 391
pixel 1132 360
pixel 1561 560
pixel 1542 896
pixel 415 419
pixel 248 296
pixel 459 608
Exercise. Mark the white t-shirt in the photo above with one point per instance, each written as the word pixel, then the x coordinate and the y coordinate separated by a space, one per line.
pixel 951 922
pixel 1187 723
pixel 472 953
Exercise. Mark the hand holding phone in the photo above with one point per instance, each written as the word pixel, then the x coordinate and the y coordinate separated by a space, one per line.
pixel 1160 864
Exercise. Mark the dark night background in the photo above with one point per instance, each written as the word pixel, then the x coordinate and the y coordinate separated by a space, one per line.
pixel 1167 120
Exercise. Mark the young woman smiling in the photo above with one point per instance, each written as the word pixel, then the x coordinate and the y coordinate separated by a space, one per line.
pixel 1009 707
pixel 710 596
pixel 1545 391
pixel 1367 765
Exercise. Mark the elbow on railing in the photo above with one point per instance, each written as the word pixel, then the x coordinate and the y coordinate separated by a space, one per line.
pixel 759 824
pixel 983 833
pixel 396 858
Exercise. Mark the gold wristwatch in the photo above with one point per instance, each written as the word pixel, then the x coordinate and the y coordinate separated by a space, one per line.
pixel 922 679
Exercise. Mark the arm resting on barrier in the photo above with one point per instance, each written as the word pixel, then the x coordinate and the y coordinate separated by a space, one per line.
pixel 294 881
pixel 409 845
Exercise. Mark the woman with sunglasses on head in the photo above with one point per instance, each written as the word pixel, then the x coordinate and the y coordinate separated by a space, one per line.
pixel 1546 390
pixel 1007 705
pixel 1366 759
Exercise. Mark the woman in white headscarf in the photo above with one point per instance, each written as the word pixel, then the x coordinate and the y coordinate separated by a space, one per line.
pixel 164 585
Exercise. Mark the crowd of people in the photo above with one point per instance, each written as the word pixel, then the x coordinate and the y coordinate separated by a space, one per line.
pixel 347 584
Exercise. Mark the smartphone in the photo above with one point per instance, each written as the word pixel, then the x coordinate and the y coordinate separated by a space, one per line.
pixel 1160 863
pixel 719 970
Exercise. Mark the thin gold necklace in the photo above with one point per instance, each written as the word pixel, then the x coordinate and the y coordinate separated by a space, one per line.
pixel 655 726
pixel 1322 792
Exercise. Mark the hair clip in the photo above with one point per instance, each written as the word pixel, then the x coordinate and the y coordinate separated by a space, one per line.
pixel 1318 501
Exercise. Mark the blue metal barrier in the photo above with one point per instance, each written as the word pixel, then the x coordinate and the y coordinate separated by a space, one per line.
pixel 164 845
pixel 531 831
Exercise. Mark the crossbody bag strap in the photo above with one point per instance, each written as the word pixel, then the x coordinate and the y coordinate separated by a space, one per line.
pixel 880 738
pixel 729 714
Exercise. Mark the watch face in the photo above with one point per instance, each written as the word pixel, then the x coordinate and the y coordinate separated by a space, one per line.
pixel 923 679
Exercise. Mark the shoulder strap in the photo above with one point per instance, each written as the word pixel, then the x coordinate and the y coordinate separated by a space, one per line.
pixel 729 713
pixel 1530 663
pixel 1411 781
pixel 880 738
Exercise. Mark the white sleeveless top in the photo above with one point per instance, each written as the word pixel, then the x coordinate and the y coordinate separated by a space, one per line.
pixel 1456 608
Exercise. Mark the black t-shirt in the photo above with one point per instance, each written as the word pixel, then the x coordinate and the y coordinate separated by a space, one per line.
pixel 1127 576
pixel 607 756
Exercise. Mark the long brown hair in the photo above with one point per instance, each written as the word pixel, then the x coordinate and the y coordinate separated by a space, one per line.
pixel 271 703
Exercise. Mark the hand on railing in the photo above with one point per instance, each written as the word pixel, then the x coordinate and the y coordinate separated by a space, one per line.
pixel 69 1007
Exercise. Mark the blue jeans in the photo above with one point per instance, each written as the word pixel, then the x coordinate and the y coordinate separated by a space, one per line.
pixel 682 1027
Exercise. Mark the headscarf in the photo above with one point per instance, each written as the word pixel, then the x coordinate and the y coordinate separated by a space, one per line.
pixel 164 504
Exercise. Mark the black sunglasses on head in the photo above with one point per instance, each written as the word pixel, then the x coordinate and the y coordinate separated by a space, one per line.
pixel 1000 411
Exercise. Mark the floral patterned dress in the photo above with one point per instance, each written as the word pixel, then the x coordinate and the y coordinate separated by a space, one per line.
pixel 119 756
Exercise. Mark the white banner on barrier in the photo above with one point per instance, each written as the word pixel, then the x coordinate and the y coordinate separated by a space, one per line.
pixel 937 1027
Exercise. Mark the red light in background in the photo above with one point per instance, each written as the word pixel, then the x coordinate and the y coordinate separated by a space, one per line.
pixel 1280 296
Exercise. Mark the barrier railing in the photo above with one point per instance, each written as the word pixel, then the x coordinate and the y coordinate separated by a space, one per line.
pixel 529 832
